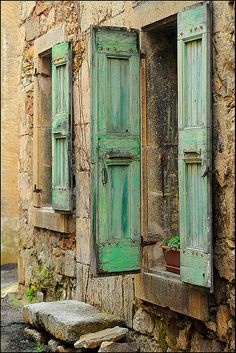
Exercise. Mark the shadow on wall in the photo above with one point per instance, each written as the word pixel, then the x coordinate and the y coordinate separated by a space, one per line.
pixel 9 246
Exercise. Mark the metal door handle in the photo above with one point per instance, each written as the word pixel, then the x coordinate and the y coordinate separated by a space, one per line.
pixel 104 175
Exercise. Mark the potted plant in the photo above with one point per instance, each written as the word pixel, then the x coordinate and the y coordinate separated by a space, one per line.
pixel 171 250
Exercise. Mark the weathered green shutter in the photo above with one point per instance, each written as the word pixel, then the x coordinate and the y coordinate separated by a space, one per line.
pixel 61 127
pixel 116 149
pixel 194 158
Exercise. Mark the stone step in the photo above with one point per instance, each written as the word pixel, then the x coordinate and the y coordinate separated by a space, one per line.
pixel 68 320
pixel 93 340
pixel 118 347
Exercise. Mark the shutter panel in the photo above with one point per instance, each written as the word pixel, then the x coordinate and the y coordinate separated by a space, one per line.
pixel 61 127
pixel 116 150
pixel 194 157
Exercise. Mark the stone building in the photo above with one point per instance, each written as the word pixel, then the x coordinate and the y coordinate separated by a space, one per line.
pixel 9 132
pixel 127 137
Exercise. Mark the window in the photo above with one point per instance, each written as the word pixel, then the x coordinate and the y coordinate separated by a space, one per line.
pixel 52 157
pixel 186 139
pixel 44 80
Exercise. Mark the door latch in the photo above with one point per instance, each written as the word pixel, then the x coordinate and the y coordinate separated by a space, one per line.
pixel 104 175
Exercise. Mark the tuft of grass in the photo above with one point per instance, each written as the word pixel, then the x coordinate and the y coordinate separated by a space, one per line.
pixel 30 293
pixel 39 347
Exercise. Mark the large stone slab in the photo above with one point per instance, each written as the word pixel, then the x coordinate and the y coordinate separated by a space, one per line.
pixel 93 340
pixel 69 319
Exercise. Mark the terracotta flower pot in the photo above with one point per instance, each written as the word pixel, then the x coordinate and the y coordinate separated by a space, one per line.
pixel 172 258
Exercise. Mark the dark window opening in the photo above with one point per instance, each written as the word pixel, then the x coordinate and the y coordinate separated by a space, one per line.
pixel 45 116
pixel 159 43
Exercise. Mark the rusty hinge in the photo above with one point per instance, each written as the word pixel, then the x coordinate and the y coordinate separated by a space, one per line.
pixel 147 242
pixel 36 189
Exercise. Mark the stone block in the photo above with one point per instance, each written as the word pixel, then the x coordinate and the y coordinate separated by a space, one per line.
pixel 67 349
pixel 47 218
pixel 225 260
pixel 128 294
pixel 32 29
pixel 118 347
pixel 81 106
pixel 93 340
pixel 60 265
pixel 83 194
pixel 67 320
pixel 69 263
pixel 223 316
pixel 53 344
pixel 26 9
pixel 211 325
pixel 165 289
pixel 183 340
pixel 201 344
pixel 83 240
pixel 82 147
pixel 40 296
pixel 232 301
pixel 143 322
pixel 50 18
pixel 145 344
pixel 41 8
pixel 36 335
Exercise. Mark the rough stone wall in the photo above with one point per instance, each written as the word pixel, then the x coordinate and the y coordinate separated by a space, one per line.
pixel 46 253
pixel 47 258
pixel 155 325
pixel 9 132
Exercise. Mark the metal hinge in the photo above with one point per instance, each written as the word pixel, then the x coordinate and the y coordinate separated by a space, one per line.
pixel 36 189
pixel 147 242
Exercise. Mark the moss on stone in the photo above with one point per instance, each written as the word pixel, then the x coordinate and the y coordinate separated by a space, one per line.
pixel 162 333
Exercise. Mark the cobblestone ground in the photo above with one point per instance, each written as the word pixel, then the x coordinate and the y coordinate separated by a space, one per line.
pixel 12 325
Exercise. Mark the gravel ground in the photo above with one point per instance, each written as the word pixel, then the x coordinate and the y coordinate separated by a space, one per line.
pixel 12 325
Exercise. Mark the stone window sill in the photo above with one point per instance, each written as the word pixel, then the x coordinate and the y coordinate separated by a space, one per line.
pixel 48 218
pixel 165 289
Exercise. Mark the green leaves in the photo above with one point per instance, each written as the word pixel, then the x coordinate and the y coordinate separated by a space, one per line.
pixel 173 242
pixel 31 292
pixel 39 347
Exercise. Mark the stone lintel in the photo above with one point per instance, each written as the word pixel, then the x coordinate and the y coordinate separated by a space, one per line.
pixel 165 289
pixel 47 218
pixel 48 40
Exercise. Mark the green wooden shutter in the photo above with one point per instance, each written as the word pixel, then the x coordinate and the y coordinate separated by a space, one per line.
pixel 194 157
pixel 116 149
pixel 61 127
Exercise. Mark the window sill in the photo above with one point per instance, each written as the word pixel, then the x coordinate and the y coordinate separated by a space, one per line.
pixel 47 218
pixel 165 289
